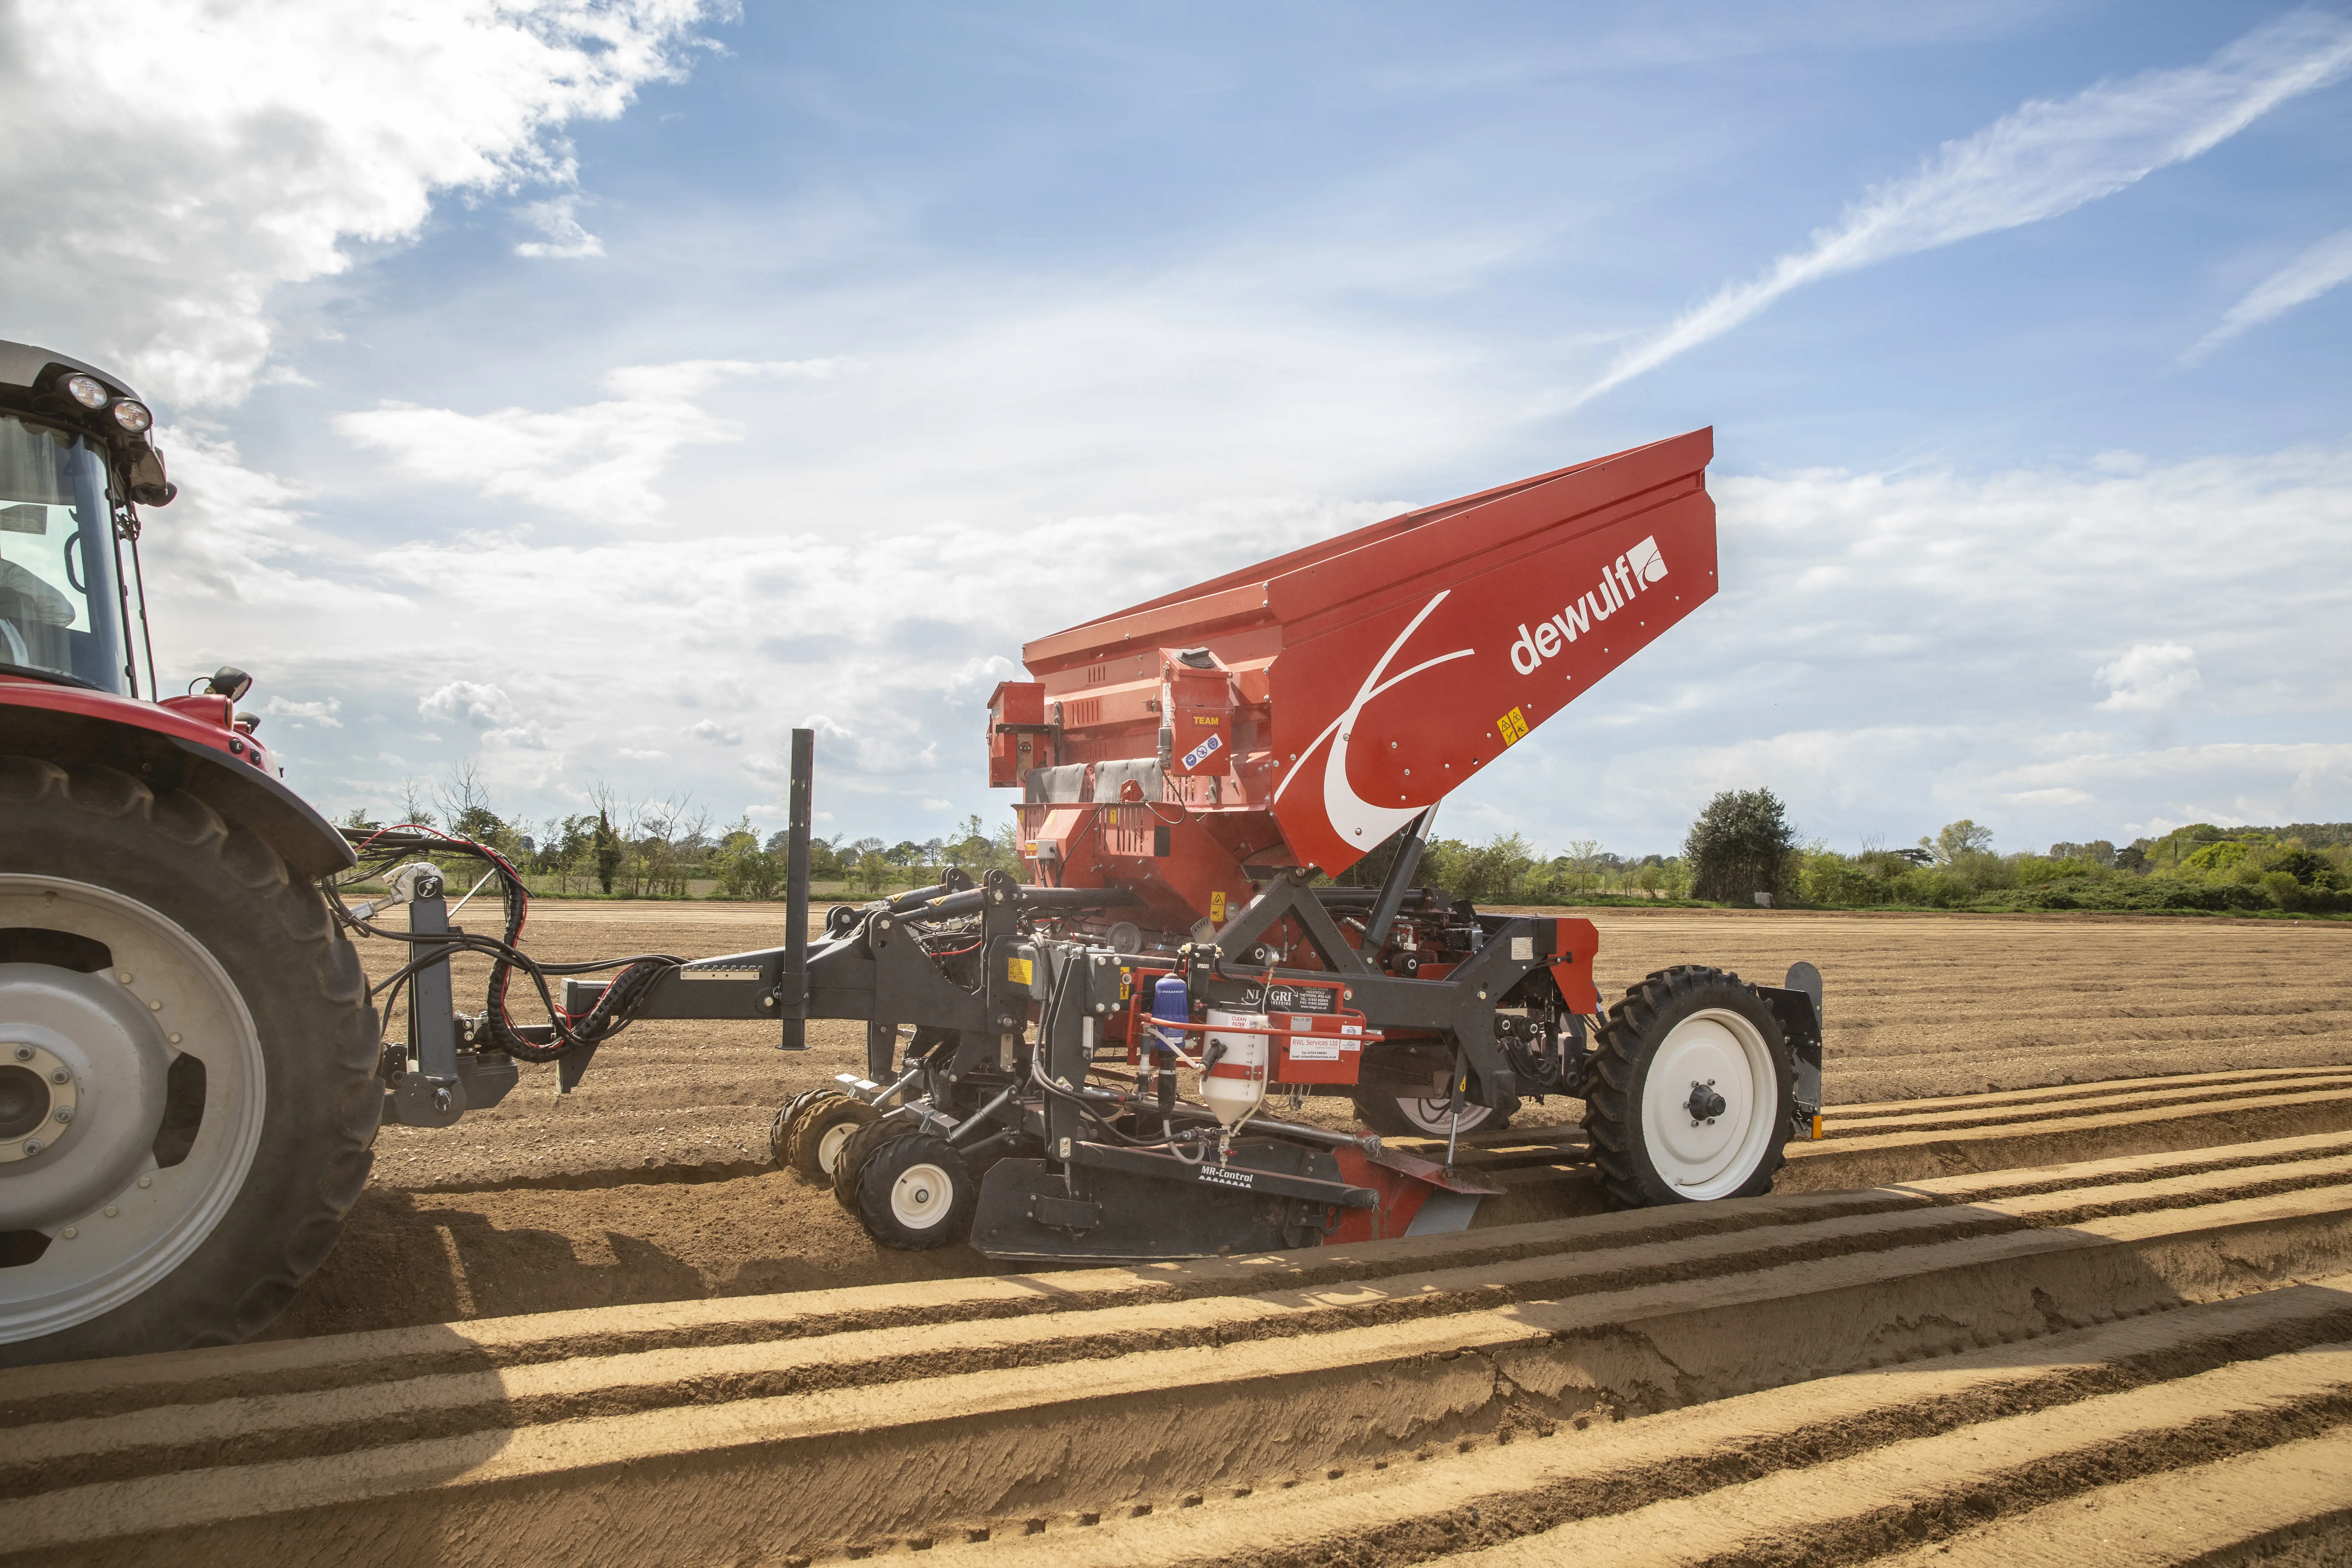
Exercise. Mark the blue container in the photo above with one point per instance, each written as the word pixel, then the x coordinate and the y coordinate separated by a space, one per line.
pixel 1172 1001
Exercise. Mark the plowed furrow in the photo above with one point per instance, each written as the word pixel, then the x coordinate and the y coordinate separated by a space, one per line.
pixel 1498 1358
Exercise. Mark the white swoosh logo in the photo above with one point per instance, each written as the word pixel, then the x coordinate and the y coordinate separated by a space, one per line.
pixel 1355 818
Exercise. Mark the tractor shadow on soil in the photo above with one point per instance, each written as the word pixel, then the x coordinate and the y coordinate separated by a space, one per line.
pixel 409 1257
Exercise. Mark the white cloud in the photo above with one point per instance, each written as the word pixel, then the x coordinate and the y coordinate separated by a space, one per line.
pixel 598 461
pixel 2300 281
pixel 2151 679
pixel 711 730
pixel 322 713
pixel 558 219
pixel 479 705
pixel 2043 159
pixel 222 150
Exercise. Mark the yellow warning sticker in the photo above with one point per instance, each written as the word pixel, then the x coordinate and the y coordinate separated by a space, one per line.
pixel 1016 970
pixel 1513 726
pixel 1217 909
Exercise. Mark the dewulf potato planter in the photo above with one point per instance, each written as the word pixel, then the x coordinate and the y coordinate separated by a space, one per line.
pixel 1190 768
pixel 1076 1064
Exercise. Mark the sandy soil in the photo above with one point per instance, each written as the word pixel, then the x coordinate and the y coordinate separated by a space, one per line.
pixel 1916 1005
pixel 2144 1359
pixel 651 1181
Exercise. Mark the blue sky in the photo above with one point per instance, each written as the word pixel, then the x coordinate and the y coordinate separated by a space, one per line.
pixel 596 391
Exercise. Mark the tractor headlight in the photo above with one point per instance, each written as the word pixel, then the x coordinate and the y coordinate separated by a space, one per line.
pixel 133 417
pixel 87 391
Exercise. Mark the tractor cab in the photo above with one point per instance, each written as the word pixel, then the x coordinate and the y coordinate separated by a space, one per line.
pixel 76 455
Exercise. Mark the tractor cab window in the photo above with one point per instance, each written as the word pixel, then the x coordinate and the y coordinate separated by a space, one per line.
pixel 59 611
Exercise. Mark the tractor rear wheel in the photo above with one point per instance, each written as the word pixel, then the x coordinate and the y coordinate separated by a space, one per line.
pixel 188 1059
pixel 1692 1091
pixel 822 1127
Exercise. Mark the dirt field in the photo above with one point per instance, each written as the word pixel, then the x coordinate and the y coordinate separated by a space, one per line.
pixel 651 1181
pixel 2069 1281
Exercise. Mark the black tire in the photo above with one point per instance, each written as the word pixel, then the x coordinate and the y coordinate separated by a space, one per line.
pixel 819 1131
pixel 1390 1115
pixel 786 1126
pixel 1647 1138
pixel 850 1162
pixel 897 1200
pixel 779 1129
pixel 171 856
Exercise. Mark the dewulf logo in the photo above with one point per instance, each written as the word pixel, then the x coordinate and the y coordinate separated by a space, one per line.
pixel 1632 573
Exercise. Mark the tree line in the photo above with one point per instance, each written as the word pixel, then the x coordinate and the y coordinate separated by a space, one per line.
pixel 625 846
pixel 1742 849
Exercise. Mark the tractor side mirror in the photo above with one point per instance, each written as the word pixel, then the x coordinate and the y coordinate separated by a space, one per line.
pixel 230 682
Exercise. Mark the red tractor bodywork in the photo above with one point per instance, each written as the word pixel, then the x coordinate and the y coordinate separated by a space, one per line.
pixel 1300 711
pixel 185 743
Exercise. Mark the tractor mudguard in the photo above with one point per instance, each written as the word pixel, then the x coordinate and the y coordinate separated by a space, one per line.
pixel 145 742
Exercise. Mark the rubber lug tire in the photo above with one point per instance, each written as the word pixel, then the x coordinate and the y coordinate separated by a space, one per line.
pixel 892 1160
pixel 851 1161
pixel 789 1124
pixel 303 985
pixel 809 1129
pixel 780 1130
pixel 1636 1026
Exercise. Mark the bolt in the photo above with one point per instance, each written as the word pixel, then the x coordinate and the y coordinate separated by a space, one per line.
pixel 23 1053
pixel 173 1039
pixel 111 1211
pixel 146 1181
pixel 33 1145
pixel 155 1007
pixel 60 1076
pixel 123 975
pixel 64 1113
pixel 69 1233
pixel 440 1099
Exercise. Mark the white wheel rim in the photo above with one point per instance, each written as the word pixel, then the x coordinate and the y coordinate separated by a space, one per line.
pixel 921 1196
pixel 118 1222
pixel 1709 1157
pixel 829 1142
pixel 1436 1116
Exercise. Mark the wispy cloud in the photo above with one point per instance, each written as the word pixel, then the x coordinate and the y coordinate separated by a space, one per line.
pixel 558 218
pixel 2304 279
pixel 598 461
pixel 2041 160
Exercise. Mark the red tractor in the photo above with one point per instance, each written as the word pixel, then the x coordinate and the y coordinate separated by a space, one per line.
pixel 188 1060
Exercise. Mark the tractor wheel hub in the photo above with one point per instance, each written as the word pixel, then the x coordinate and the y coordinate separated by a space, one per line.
pixel 82 1071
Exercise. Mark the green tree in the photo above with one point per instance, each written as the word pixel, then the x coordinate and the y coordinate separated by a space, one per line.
pixel 1740 846
pixel 1584 858
pixel 1958 841
pixel 607 846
